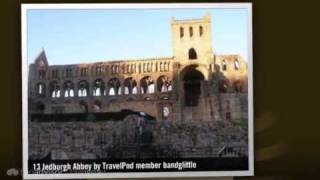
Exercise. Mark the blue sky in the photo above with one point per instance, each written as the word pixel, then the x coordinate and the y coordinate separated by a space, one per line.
pixel 84 36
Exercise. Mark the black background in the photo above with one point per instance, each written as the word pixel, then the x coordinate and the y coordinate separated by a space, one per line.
pixel 286 93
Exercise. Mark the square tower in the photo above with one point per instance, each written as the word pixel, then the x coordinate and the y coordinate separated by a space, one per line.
pixel 192 39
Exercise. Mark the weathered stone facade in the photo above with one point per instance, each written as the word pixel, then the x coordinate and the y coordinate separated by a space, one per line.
pixel 134 138
pixel 189 95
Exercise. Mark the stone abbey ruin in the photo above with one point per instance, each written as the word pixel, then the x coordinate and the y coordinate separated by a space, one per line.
pixel 193 104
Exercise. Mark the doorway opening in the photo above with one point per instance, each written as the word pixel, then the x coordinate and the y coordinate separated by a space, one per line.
pixel 192 86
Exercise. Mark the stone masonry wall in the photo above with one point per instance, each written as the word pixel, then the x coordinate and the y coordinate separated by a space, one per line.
pixel 105 139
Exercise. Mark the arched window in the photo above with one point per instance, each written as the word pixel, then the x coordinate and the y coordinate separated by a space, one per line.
pixel 41 89
pixel 130 86
pixel 190 31
pixel 147 85
pixel 224 65
pixel 236 65
pixel 181 32
pixel 114 87
pixel 54 89
pixel 192 53
pixel 192 80
pixel 200 30
pixel 98 88
pixel 68 89
pixel 164 84
pixel 83 87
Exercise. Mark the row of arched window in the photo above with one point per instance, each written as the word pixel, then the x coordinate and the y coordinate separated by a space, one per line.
pixel 130 86
pixel 99 88
pixel 182 34
pixel 163 66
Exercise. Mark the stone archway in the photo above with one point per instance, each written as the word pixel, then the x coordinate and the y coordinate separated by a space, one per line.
pixel 192 79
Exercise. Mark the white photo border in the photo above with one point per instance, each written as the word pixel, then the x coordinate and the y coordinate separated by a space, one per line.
pixel 24 71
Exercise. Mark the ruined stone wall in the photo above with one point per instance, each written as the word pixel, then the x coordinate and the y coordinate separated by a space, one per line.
pixel 106 139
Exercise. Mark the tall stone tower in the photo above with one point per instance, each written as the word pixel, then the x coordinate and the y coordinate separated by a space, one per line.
pixel 192 39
